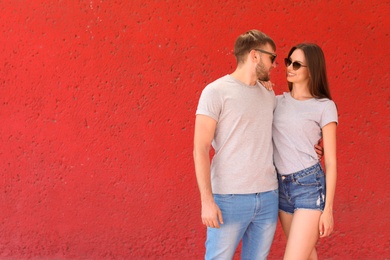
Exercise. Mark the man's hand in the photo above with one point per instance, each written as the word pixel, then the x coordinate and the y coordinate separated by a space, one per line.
pixel 211 214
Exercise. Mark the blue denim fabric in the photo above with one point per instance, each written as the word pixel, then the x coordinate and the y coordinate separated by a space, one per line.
pixel 250 217
pixel 302 190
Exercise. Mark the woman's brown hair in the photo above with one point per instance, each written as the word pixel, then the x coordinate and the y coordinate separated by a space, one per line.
pixel 315 62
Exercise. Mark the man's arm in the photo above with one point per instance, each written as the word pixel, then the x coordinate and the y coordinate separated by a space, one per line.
pixel 204 133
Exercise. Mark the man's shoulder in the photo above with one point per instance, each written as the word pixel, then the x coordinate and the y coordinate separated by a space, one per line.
pixel 220 81
pixel 219 85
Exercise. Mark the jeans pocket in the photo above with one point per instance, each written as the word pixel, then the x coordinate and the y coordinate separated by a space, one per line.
pixel 223 197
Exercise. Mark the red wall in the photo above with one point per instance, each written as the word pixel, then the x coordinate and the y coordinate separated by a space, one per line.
pixel 97 104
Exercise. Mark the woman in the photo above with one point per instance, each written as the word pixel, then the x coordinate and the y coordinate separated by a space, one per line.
pixel 301 118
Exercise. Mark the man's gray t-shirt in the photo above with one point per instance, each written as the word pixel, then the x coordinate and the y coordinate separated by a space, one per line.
pixel 297 128
pixel 242 163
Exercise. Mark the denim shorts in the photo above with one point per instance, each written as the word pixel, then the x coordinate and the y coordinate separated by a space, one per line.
pixel 302 190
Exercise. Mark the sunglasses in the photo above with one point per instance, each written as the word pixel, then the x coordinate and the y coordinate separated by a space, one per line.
pixel 273 55
pixel 296 65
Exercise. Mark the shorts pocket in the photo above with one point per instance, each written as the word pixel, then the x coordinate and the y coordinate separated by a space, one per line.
pixel 307 180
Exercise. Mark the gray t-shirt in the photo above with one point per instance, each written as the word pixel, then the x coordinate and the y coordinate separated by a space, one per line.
pixel 297 128
pixel 242 163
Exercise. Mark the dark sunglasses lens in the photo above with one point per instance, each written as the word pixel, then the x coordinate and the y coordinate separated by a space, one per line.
pixel 287 62
pixel 296 65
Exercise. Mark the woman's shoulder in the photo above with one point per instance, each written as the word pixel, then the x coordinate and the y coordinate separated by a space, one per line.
pixel 283 95
pixel 326 102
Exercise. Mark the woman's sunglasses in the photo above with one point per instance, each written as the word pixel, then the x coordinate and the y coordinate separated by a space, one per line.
pixel 296 65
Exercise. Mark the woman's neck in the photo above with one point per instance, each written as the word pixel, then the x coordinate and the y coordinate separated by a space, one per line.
pixel 301 92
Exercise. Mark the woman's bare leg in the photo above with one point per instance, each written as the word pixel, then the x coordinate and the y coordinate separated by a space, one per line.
pixel 285 221
pixel 313 255
pixel 302 234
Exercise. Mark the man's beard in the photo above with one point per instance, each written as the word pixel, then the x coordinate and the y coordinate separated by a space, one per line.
pixel 261 73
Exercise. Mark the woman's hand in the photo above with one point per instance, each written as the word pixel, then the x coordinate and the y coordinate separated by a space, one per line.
pixel 326 224
pixel 267 84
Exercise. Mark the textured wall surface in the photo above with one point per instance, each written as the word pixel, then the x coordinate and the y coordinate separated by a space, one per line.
pixel 97 103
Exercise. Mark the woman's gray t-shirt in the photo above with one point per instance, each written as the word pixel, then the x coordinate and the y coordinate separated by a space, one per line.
pixel 297 127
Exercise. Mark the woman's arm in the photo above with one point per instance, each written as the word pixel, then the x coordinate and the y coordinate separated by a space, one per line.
pixel 329 141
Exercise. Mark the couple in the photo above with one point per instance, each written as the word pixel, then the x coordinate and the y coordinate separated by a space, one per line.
pixel 241 192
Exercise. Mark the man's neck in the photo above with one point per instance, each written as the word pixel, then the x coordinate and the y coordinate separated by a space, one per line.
pixel 242 75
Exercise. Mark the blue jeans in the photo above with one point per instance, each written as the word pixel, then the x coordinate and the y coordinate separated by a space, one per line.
pixel 250 217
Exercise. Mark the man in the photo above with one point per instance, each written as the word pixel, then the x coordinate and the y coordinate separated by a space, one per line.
pixel 238 190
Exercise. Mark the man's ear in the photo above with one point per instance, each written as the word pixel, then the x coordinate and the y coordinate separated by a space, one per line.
pixel 254 56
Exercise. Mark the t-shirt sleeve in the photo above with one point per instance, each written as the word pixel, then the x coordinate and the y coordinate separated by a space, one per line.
pixel 329 114
pixel 276 100
pixel 209 103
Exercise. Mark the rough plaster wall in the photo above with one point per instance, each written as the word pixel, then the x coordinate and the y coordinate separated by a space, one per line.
pixel 97 104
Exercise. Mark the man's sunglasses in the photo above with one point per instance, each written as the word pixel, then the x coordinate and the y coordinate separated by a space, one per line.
pixel 296 65
pixel 273 55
